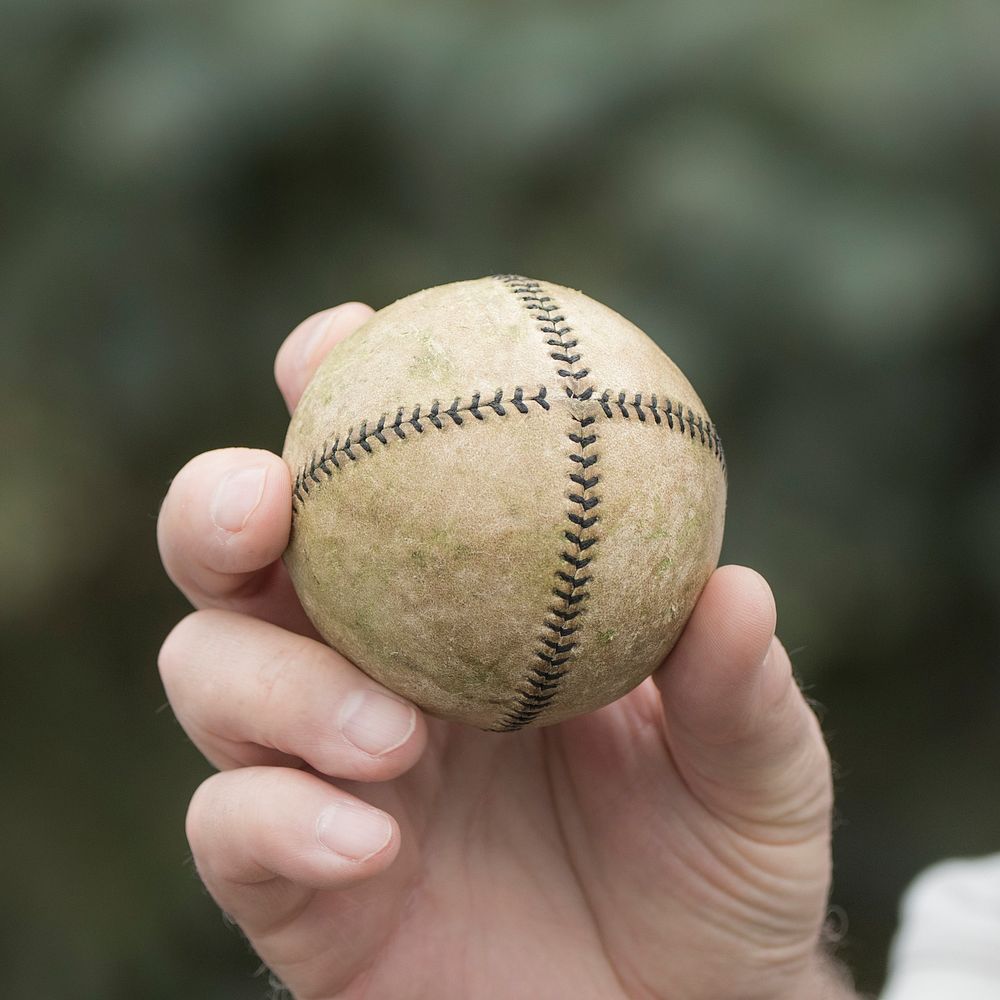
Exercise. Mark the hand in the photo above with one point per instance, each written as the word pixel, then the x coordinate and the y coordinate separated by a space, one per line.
pixel 672 845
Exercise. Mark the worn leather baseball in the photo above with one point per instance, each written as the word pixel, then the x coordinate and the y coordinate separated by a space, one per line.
pixel 507 500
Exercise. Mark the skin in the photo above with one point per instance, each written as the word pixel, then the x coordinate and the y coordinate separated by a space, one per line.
pixel 675 844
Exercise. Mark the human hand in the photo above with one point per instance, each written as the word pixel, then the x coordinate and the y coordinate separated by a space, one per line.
pixel 674 844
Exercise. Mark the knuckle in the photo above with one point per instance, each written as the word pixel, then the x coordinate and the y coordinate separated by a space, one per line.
pixel 218 808
pixel 185 660
pixel 172 656
pixel 291 664
pixel 175 654
pixel 230 835
pixel 277 672
pixel 303 688
pixel 202 815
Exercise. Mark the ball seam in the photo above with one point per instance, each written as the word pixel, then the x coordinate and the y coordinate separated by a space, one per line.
pixel 556 649
pixel 539 688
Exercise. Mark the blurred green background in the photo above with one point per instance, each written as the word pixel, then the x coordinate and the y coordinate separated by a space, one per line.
pixel 798 200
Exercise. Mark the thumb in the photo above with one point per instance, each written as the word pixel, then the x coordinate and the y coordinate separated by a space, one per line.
pixel 742 735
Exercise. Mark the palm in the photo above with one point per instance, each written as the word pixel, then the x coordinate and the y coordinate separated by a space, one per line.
pixel 575 861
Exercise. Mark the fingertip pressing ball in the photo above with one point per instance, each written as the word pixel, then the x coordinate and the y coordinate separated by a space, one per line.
pixel 507 500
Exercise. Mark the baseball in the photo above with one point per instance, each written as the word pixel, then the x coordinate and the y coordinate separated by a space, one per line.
pixel 507 500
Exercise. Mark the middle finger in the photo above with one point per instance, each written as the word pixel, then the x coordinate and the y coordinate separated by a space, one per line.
pixel 248 692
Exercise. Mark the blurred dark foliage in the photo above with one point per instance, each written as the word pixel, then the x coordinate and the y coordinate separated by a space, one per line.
pixel 799 201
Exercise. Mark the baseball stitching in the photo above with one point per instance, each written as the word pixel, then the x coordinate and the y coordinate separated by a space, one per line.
pixel 540 685
pixel 556 648
pixel 382 430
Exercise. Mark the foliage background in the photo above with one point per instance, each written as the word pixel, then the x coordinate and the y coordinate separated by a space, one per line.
pixel 798 200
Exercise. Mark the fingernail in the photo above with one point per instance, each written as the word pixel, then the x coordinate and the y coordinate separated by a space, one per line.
pixel 353 831
pixel 311 344
pixel 376 723
pixel 237 497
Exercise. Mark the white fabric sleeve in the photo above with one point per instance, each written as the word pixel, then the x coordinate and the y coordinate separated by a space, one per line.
pixel 948 943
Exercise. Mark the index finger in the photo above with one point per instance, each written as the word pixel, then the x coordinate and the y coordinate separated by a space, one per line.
pixel 306 346
pixel 225 520
pixel 222 529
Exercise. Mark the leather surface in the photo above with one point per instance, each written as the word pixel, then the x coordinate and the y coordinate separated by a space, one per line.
pixel 507 500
